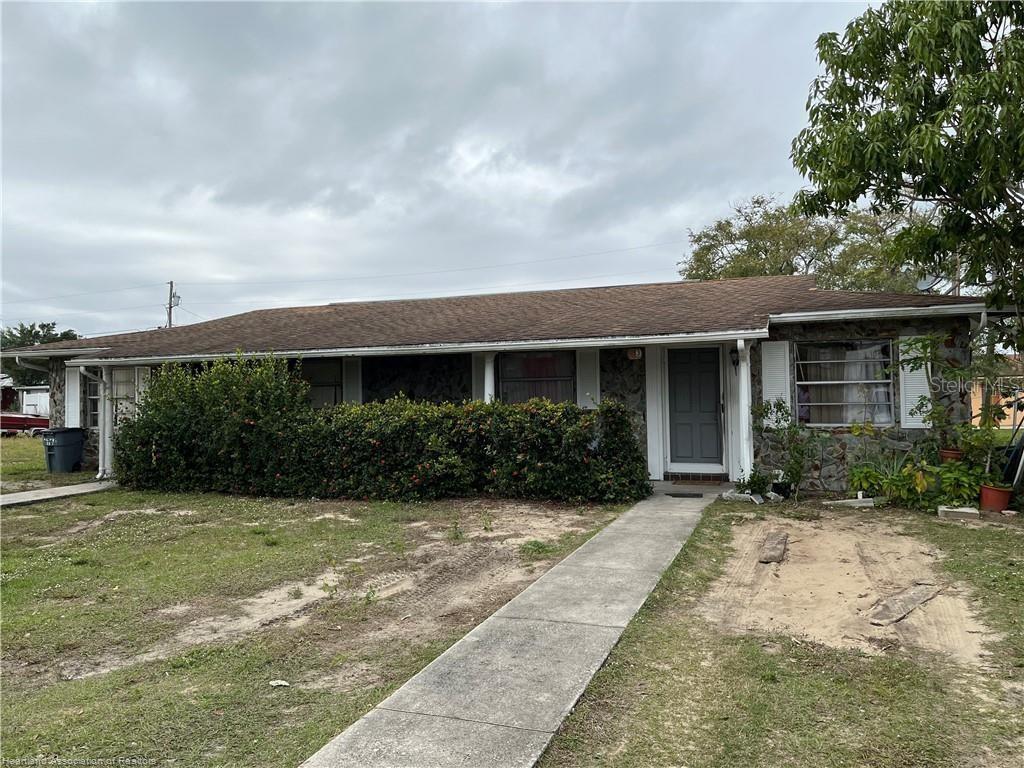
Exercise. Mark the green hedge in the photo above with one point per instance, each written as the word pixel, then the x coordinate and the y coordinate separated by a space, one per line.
pixel 245 426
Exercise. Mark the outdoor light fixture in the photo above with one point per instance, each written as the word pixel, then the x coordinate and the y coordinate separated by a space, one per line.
pixel 734 356
pixel 635 353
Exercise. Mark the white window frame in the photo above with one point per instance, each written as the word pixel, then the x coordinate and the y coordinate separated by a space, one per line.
pixel 570 378
pixel 890 380
pixel 91 385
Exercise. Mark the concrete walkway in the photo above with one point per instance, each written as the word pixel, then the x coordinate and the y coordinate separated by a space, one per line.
pixel 46 494
pixel 496 697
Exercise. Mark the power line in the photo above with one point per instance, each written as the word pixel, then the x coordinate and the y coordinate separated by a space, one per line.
pixel 442 271
pixel 86 293
pixel 189 311
pixel 362 277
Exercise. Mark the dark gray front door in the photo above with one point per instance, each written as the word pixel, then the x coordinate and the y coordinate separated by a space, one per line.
pixel 694 406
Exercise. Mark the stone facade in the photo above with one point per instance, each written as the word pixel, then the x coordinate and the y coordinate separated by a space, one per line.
pixel 57 386
pixel 434 378
pixel 830 466
pixel 625 380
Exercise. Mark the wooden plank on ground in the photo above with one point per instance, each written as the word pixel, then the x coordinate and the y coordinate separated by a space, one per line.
pixel 774 548
pixel 898 606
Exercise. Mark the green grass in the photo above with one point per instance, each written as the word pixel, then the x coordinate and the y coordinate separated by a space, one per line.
pixel 677 691
pixel 98 594
pixel 22 461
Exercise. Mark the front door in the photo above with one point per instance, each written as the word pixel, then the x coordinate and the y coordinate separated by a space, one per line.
pixel 694 406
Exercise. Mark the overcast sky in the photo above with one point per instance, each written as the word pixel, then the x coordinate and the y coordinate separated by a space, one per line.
pixel 281 154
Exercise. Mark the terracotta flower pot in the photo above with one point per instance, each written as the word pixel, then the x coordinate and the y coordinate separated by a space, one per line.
pixel 947 455
pixel 994 499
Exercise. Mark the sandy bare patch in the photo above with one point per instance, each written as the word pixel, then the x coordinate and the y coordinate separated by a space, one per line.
pixel 514 523
pixel 339 516
pixel 85 526
pixel 830 586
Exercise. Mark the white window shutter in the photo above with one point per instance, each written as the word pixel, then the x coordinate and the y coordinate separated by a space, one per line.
pixel 776 383
pixel 913 386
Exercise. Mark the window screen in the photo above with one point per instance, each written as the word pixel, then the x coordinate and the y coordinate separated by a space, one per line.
pixel 525 375
pixel 843 382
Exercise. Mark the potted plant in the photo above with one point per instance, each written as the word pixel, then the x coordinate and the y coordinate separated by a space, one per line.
pixel 995 496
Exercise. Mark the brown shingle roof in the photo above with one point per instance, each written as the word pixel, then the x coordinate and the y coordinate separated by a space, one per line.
pixel 575 313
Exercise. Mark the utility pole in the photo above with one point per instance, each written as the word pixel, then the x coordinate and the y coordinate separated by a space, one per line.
pixel 173 300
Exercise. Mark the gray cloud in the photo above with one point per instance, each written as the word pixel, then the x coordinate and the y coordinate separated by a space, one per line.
pixel 240 143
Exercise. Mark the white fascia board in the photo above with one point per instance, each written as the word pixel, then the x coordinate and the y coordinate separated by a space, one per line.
pixel 46 353
pixel 945 310
pixel 500 346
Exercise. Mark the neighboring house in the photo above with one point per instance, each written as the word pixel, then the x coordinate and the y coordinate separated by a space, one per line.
pixel 1008 391
pixel 8 393
pixel 34 400
pixel 690 358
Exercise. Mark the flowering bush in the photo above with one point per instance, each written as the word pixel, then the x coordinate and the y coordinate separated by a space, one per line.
pixel 246 426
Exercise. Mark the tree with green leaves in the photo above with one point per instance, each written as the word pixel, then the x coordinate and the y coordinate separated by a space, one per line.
pixel 921 106
pixel 764 237
pixel 23 335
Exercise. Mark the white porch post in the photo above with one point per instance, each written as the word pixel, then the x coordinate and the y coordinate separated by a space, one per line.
pixel 489 377
pixel 746 438
pixel 106 457
pixel 656 417
pixel 72 396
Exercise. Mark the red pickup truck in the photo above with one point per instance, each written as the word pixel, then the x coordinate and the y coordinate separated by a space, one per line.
pixel 13 423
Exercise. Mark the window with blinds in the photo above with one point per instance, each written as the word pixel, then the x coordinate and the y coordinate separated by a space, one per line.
pixel 843 382
pixel 525 375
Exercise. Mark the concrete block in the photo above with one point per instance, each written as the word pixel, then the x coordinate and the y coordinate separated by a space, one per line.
pixel 959 513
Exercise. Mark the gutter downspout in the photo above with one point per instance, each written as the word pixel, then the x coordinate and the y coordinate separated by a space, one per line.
pixel 746 457
pixel 107 426
pixel 31 366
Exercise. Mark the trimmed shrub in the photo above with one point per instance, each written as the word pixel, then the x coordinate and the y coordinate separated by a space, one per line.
pixel 246 426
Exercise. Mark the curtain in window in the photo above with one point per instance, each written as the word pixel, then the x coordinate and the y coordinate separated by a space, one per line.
pixel 844 382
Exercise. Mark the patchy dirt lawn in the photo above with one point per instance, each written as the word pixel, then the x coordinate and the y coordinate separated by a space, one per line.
pixel 804 662
pixel 151 625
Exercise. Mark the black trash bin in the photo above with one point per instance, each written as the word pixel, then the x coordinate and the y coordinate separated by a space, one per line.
pixel 64 447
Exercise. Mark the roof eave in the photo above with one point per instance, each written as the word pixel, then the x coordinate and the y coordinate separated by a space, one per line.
pixel 936 310
pixel 464 347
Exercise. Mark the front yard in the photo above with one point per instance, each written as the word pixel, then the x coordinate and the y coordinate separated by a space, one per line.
pixel 736 663
pixel 151 625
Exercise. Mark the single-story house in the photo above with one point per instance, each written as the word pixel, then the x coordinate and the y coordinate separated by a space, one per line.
pixel 691 358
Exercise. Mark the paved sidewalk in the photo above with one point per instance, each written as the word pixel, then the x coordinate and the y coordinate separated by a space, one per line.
pixel 45 494
pixel 496 697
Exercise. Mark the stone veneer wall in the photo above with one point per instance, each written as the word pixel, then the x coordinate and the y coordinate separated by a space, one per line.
pixel 435 378
pixel 829 470
pixel 625 380
pixel 57 386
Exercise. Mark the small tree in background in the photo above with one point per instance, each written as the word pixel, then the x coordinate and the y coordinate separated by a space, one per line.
pixel 921 105
pixel 23 335
pixel 764 237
